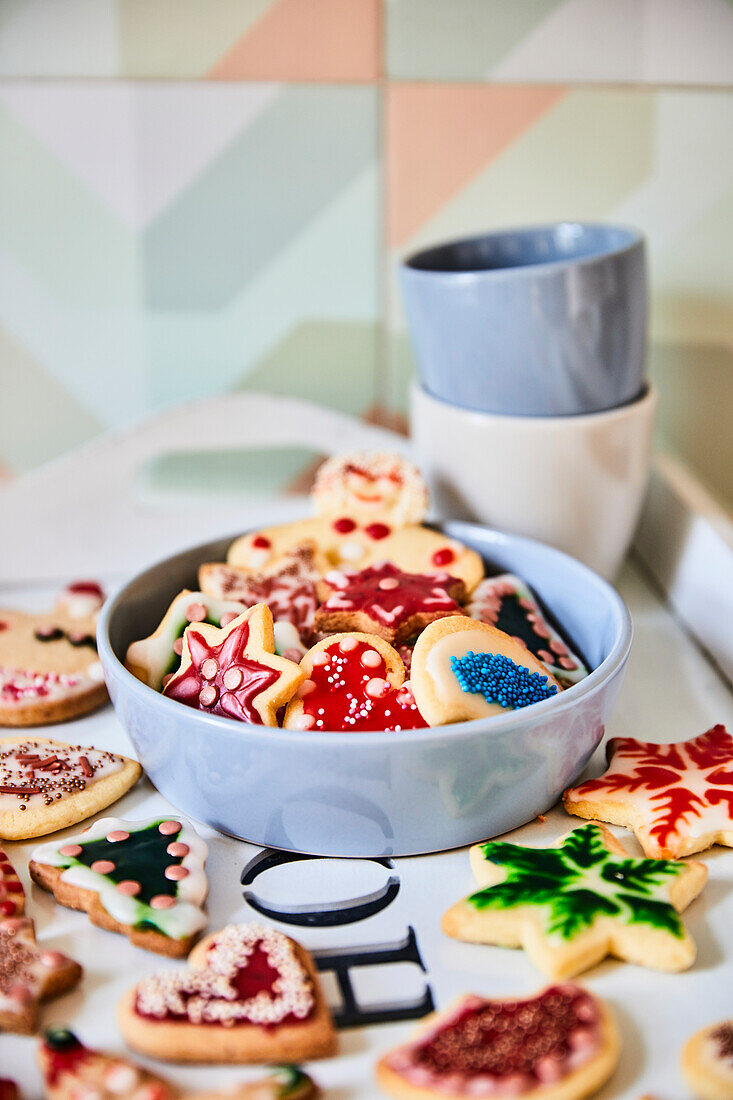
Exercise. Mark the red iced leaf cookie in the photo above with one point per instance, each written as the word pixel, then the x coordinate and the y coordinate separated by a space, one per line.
pixel 234 671
pixel 12 894
pixel 561 1042
pixel 250 994
pixel 677 798
pixel 353 683
pixel 29 974
pixel 386 601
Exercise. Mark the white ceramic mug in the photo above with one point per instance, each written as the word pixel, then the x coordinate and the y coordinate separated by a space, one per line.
pixel 575 482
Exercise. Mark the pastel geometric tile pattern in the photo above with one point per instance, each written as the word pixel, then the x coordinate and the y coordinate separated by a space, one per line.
pixel 226 207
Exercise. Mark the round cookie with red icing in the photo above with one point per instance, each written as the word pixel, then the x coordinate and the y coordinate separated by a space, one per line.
pixel 47 785
pixel 29 974
pixel 561 1044
pixel 49 669
pixel 353 683
pixel 707 1062
pixel 145 879
pixel 234 671
pixel 250 994
pixel 677 798
pixel 463 669
pixel 153 658
pixel 386 601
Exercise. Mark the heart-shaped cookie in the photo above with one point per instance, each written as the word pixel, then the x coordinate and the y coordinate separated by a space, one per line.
pixel 251 994
pixel 354 682
pixel 561 1042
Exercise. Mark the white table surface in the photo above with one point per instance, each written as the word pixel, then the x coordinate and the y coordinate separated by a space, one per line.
pixel 671 692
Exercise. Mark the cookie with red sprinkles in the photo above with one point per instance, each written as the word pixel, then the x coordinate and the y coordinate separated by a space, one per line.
pixel 561 1044
pixel 47 785
pixel 250 994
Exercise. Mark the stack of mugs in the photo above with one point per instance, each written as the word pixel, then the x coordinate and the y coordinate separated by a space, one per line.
pixel 532 412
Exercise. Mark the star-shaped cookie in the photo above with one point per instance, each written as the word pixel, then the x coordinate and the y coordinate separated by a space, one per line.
pixel 571 905
pixel 72 1071
pixel 29 974
pixel 234 671
pixel 677 798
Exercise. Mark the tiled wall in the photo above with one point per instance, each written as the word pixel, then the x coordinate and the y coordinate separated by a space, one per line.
pixel 198 196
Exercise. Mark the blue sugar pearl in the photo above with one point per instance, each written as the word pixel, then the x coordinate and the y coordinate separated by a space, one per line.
pixel 500 680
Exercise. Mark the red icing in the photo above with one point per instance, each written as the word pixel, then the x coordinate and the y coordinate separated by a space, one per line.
pixel 86 588
pixel 8 908
pixel 662 770
pixel 344 526
pixel 520 1044
pixel 377 531
pixel 65 1060
pixel 257 976
pixel 3 625
pixel 210 693
pixel 261 543
pixel 391 597
pixel 332 703
pixel 8 1089
pixel 443 557
pixel 290 592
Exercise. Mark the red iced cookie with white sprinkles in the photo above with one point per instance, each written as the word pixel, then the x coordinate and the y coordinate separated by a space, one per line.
pixel 387 601
pixel 354 682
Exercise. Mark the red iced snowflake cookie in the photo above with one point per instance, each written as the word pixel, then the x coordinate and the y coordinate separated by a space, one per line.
pixel 250 995
pixel 386 601
pixel 289 590
pixel 677 798
pixel 29 974
pixel 353 683
pixel 562 1042
pixel 234 670
pixel 12 894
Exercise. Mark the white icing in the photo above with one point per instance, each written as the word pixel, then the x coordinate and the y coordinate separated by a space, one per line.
pixel 351 551
pixel 287 637
pixel 15 774
pixel 181 920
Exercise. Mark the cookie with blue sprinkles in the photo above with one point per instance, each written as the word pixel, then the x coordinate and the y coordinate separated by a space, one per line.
pixel 464 669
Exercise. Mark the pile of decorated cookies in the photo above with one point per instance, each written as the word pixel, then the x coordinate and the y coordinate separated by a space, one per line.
pixel 343 607
pixel 313 626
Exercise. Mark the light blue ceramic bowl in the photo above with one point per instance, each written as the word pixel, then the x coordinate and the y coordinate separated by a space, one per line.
pixel 374 794
pixel 539 321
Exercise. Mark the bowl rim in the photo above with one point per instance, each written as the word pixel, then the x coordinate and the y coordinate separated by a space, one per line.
pixel 635 240
pixel 497 724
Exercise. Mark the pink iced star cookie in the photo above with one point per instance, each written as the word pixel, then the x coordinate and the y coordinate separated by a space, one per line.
pixel 234 670
pixel 677 799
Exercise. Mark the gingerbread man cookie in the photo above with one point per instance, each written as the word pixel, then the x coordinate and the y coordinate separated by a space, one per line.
pixel 234 671
pixel 250 994
pixel 562 1044
pixel 678 798
pixel 145 879
pixel 571 905
pixel 463 669
pixel 707 1062
pixel 289 590
pixel 72 1071
pixel 152 659
pixel 49 669
pixel 28 975
pixel 12 894
pixel 353 683
pixel 48 785
pixel 384 600
pixel 370 510
pixel 509 604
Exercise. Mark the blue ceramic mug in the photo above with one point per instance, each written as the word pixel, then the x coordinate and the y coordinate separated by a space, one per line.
pixel 543 321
